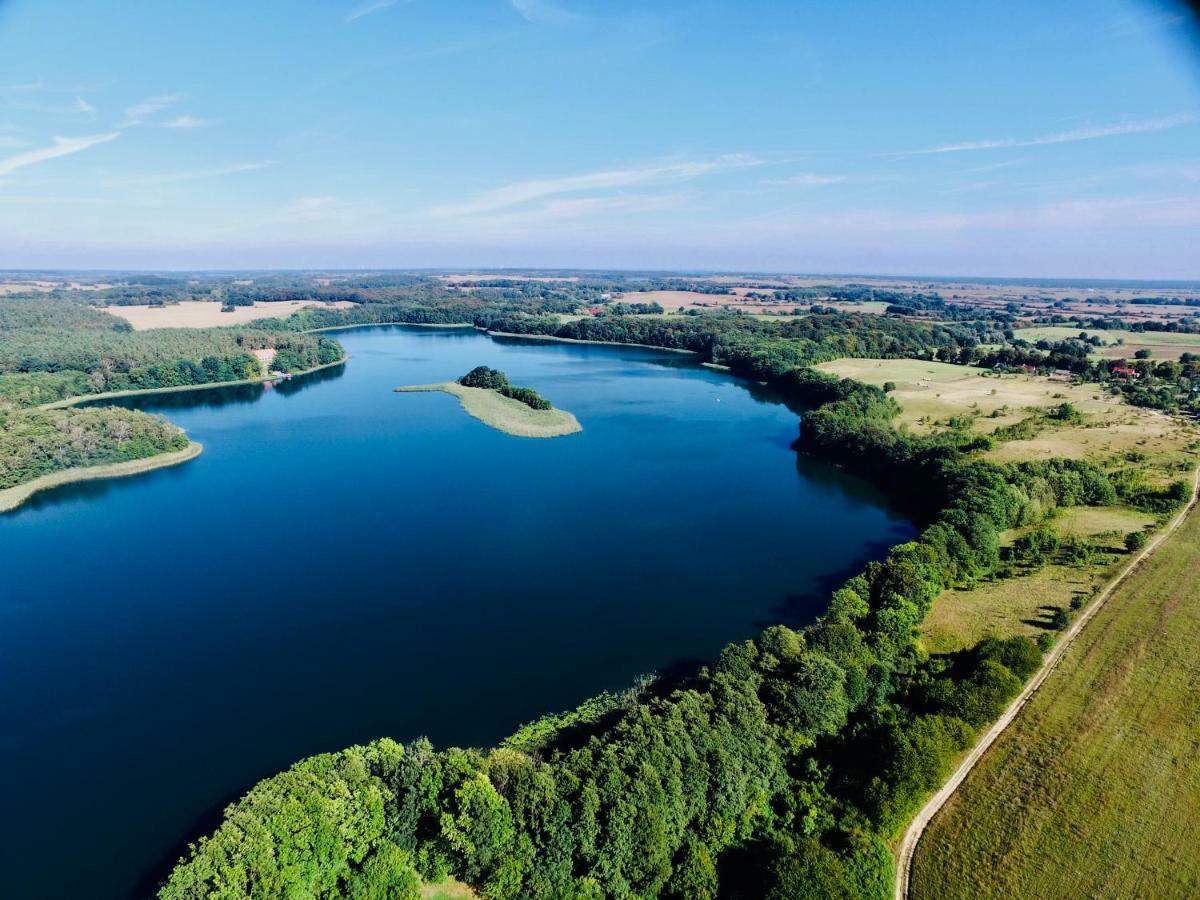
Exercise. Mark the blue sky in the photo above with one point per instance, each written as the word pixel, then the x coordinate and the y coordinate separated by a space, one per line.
pixel 1023 138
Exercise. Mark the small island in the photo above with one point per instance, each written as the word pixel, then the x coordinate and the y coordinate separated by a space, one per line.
pixel 486 394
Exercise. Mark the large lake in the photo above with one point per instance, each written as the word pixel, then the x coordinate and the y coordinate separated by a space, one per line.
pixel 344 562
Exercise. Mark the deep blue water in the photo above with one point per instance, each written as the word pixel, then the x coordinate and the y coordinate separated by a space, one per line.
pixel 344 562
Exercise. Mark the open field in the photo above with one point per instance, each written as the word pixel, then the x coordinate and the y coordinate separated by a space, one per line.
pixel 207 314
pixel 1006 608
pixel 1092 790
pixel 1023 605
pixel 503 413
pixel 931 393
pixel 674 301
pixel 1161 344
pixel 11 498
pixel 450 889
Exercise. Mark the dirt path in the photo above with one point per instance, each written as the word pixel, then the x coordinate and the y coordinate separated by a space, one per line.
pixel 916 828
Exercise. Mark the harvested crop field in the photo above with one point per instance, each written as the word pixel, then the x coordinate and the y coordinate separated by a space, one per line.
pixel 1161 344
pixel 207 314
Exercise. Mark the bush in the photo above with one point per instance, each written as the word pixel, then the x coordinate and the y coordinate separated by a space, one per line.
pixel 484 377
pixel 1135 541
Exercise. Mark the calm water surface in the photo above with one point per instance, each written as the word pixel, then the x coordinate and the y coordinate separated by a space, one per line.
pixel 343 562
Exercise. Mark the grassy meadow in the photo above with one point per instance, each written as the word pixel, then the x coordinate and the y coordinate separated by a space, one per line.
pixel 931 394
pixel 1092 791
pixel 1025 605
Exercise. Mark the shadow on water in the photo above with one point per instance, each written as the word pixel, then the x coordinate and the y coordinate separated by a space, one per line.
pixel 154 874
pixel 201 398
pixel 92 490
pixel 297 383
pixel 217 397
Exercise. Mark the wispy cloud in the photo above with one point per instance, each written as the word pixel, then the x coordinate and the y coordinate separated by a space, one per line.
pixel 186 122
pixel 811 179
pixel 368 8
pixel 61 147
pixel 139 112
pixel 522 192
pixel 994 167
pixel 157 178
pixel 542 11
pixel 1140 126
pixel 8 143
pixel 585 211
pixel 1130 211
pixel 24 97
pixel 1145 21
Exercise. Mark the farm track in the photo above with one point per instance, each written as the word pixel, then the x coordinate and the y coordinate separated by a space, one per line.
pixel 912 835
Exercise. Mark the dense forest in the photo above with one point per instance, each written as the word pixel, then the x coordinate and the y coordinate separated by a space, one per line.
pixel 52 349
pixel 37 442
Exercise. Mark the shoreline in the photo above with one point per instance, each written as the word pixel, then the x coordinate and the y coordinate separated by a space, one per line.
pixel 13 497
pixel 389 324
pixel 179 389
pixel 503 413
pixel 563 340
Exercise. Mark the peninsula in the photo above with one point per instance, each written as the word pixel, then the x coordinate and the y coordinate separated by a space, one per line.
pixel 486 394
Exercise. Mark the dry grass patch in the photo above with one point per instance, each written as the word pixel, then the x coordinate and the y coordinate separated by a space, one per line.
pixel 1007 608
pixel 932 393
pixel 1092 521
pixel 207 314
pixel 450 889
pixel 1024 604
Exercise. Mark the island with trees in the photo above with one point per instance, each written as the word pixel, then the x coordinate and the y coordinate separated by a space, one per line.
pixel 487 395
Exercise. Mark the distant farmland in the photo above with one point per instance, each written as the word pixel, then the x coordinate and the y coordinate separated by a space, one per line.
pixel 1162 344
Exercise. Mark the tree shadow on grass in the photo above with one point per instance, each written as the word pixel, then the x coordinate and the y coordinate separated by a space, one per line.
pixel 1045 618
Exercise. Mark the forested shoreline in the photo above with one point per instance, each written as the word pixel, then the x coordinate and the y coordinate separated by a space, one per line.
pixel 54 350
pixel 779 770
